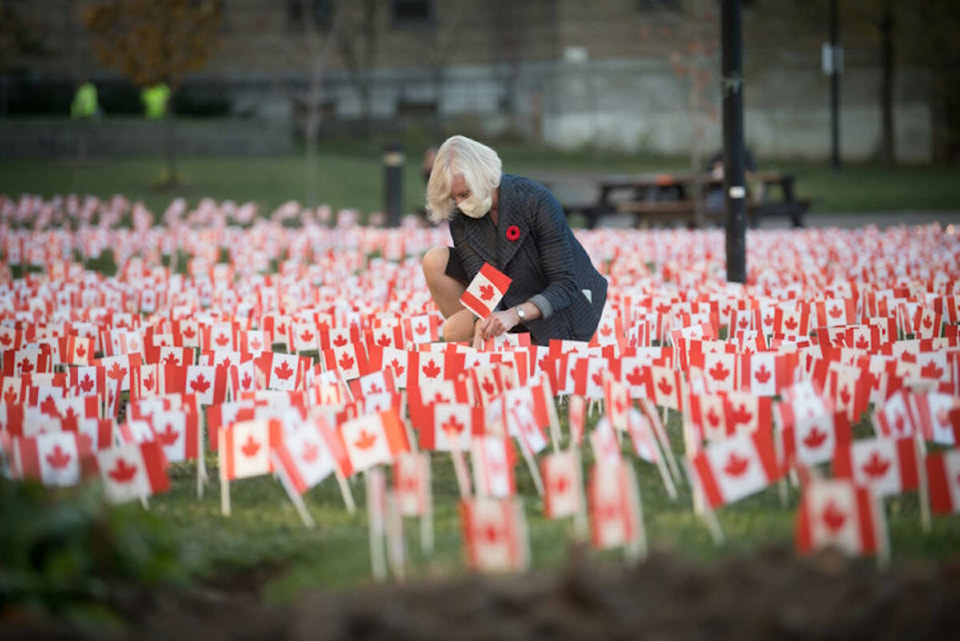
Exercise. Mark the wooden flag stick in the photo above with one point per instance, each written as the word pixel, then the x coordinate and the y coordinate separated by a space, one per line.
pixel 924 489
pixel 426 519
pixel 531 465
pixel 581 530
pixel 345 491
pixel 779 448
pixel 660 432
pixel 706 512
pixel 460 470
pixel 375 500
pixel 292 494
pixel 396 547
pixel 202 476
pixel 636 548
pixel 224 481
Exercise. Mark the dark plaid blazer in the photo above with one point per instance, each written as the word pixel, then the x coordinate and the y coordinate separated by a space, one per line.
pixel 548 265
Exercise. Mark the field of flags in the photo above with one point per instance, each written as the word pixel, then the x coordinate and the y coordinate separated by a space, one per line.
pixel 300 345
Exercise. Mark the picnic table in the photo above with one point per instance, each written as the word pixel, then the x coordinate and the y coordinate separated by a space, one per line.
pixel 691 198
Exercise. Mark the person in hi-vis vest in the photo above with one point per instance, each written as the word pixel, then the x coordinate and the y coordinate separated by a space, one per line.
pixel 155 100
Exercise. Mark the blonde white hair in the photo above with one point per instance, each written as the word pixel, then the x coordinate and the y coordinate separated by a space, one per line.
pixel 479 165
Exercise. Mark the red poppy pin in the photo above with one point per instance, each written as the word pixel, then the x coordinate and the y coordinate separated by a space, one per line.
pixel 513 233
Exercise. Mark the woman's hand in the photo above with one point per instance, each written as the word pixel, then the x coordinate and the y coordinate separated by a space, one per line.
pixel 494 325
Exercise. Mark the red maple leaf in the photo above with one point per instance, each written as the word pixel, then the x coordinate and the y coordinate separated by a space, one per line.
pixel 281 328
pixel 900 423
pixel 431 369
pixel 87 383
pixel 542 363
pixel 26 366
pixel 762 374
pixel 488 386
pixel 49 406
pixel 665 387
pixel 927 322
pixel 222 340
pixel 397 367
pixel 492 534
pixel 907 357
pixel 189 332
pixel 116 372
pixel 833 517
pixel 845 395
pixel 171 359
pixel 80 350
pixel 340 340
pixel 663 308
pixel 835 312
pixel 310 452
pixel 790 323
pixel 876 466
pixel 306 336
pixel 284 371
pixel 718 372
pixel 123 472
pixel 597 378
pixel 384 340
pixel 560 483
pixel 768 320
pixel 168 436
pixel 862 342
pixel 375 389
pixel 453 426
pixel 6 340
pixel 815 438
pixel 486 292
pixel 246 381
pixel 741 416
pixel 58 459
pixel 365 441
pixel 346 361
pixel 251 447
pixel 635 377
pixel 605 331
pixel 200 384
pixel 930 370
pixel 713 418
pixel 744 323
pixel 736 465
pixel 70 413
pixel 420 328
pixel 255 343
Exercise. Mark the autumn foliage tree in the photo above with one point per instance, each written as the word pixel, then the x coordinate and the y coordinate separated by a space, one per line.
pixel 155 41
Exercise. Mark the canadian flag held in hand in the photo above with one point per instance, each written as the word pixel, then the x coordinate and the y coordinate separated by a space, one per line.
pixel 485 290
pixel 133 471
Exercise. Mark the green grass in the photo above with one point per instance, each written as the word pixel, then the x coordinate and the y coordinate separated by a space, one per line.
pixel 265 534
pixel 350 175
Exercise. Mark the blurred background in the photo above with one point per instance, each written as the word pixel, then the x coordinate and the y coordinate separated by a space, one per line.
pixel 598 86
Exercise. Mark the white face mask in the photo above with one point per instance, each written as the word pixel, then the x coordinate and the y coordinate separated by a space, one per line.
pixel 475 208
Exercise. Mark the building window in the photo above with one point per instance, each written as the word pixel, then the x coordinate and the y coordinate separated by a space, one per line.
pixel 411 13
pixel 318 12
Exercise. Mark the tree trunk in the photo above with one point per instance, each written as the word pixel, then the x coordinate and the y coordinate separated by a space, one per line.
pixel 170 144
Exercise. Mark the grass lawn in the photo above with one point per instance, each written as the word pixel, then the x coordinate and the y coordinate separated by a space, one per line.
pixel 264 530
pixel 350 175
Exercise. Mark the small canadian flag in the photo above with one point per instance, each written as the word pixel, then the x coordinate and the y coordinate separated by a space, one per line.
pixel 411 482
pixel 840 514
pixel 493 460
pixel 563 487
pixel 495 533
pixel 614 506
pixel 732 468
pixel 373 439
pixel 53 458
pixel 303 458
pixel 133 471
pixel 485 290
pixel 245 448
pixel 885 466
pixel 943 474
